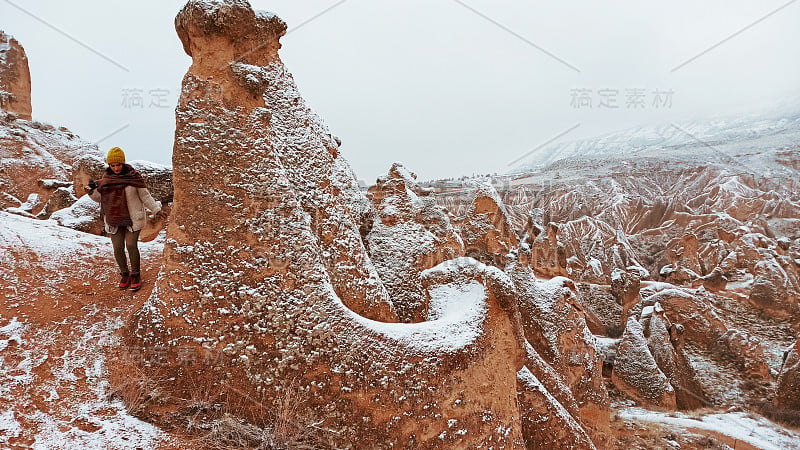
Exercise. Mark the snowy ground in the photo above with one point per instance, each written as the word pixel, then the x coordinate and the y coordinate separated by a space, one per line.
pixel 59 313
pixel 747 428
pixel 34 396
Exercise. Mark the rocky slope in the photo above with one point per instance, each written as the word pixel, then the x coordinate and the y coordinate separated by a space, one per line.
pixel 709 235
pixel 59 313
pixel 36 159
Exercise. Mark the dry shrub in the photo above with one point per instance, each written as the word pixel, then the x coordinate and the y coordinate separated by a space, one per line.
pixel 228 432
pixel 790 417
pixel 281 423
pixel 285 416
pixel 219 415
pixel 132 385
pixel 636 435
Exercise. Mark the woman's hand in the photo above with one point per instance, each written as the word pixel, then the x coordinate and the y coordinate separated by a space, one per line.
pixel 161 214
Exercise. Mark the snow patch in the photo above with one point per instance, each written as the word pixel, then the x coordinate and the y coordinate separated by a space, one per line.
pixel 457 315
pixel 9 427
pixel 13 332
pixel 746 427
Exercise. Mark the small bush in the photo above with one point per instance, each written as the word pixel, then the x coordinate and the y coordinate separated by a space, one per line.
pixel 135 388
pixel 228 432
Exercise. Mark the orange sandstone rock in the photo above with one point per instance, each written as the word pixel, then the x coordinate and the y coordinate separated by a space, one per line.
pixel 267 288
pixel 410 233
pixel 15 78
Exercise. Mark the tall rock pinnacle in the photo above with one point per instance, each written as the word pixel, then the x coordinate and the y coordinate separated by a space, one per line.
pixel 15 78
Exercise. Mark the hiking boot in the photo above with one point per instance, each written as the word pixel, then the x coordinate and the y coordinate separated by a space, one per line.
pixel 124 281
pixel 136 281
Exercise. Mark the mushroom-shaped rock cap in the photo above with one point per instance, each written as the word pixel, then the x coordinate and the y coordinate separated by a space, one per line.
pixel 231 26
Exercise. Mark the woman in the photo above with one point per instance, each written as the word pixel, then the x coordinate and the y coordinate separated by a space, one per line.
pixel 123 197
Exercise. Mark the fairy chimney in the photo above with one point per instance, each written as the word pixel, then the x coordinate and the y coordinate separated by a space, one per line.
pixel 267 290
pixel 15 78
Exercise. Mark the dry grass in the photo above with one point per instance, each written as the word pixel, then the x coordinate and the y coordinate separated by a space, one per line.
pixel 285 415
pixel 284 426
pixel 229 432
pixel 133 386
pixel 219 416
pixel 789 417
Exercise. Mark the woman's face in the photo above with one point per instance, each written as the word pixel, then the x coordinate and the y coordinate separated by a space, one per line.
pixel 116 167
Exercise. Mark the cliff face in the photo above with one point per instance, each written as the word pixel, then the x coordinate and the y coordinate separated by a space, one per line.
pixel 15 78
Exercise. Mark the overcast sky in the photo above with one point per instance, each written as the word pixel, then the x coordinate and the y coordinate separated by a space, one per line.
pixel 448 87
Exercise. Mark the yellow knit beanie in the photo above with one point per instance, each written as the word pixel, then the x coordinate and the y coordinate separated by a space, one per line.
pixel 115 156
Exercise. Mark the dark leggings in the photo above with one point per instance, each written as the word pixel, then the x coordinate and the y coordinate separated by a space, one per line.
pixel 122 239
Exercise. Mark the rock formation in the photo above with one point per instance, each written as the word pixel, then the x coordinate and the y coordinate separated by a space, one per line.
pixel 562 358
pixel 487 231
pixel 625 288
pixel 637 373
pixel 713 239
pixel 83 215
pixel 409 234
pixel 15 78
pixel 787 396
pixel 776 287
pixel 287 299
pixel 707 329
pixel 32 153
pixel 545 422
pixel 604 314
pixel 266 274
pixel 60 198
pixel 556 329
pixel 586 249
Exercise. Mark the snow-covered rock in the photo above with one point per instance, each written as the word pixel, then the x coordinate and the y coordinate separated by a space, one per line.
pixel 487 231
pixel 556 329
pixel 636 371
pixel 60 198
pixel 266 272
pixel 625 288
pixel 775 288
pixel 31 152
pixel 585 249
pixel 83 215
pixel 409 233
pixel 546 423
